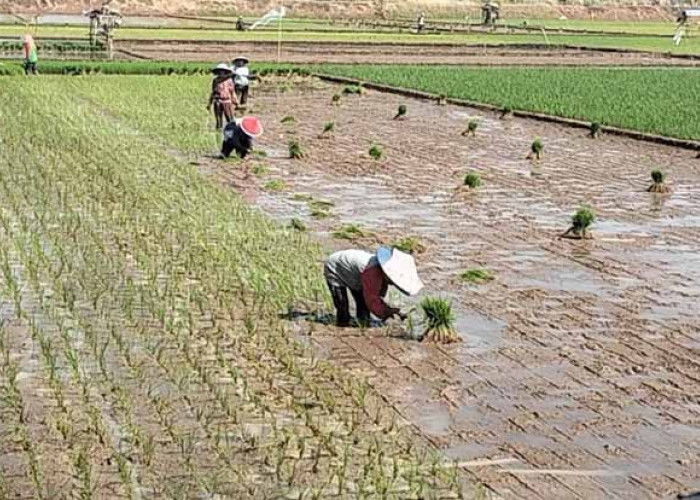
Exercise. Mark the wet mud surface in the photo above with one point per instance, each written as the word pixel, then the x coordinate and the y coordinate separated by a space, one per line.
pixel 301 52
pixel 578 374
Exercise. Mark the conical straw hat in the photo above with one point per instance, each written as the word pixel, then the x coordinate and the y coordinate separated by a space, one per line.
pixel 400 268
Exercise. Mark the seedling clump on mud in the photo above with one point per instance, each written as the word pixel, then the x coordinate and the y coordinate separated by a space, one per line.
pixel 472 125
pixel 472 180
pixel 439 321
pixel 401 112
pixel 536 150
pixel 327 129
pixel 595 130
pixel 409 244
pixel 275 185
pixel 476 275
pixel 297 224
pixel 335 99
pixel 506 113
pixel 659 182
pixel 295 150
pixel 287 119
pixel 376 152
pixel 354 89
pixel 349 232
pixel 580 222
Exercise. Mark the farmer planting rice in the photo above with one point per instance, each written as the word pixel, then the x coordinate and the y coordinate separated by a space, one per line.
pixel 239 136
pixel 368 277
pixel 241 79
pixel 223 94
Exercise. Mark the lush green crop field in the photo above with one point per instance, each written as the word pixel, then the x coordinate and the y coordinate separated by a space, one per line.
pixel 663 101
pixel 140 306
pixel 647 43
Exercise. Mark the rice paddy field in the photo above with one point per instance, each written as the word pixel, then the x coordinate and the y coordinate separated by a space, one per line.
pixel 165 327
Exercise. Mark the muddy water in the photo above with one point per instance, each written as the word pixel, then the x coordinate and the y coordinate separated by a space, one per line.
pixel 578 355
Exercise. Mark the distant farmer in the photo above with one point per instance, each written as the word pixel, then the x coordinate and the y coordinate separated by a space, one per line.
pixel 240 26
pixel 30 55
pixel 239 136
pixel 421 22
pixel 241 79
pixel 223 94
pixel 368 277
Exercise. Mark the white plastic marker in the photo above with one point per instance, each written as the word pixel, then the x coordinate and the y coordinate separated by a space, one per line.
pixel 273 15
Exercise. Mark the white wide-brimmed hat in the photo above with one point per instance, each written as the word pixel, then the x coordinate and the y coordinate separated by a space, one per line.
pixel 222 67
pixel 400 268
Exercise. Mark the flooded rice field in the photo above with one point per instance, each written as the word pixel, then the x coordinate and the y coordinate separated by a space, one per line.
pixel 578 372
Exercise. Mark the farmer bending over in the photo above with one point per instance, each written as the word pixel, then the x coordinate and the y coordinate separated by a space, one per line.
pixel 223 95
pixel 239 136
pixel 30 55
pixel 240 79
pixel 368 278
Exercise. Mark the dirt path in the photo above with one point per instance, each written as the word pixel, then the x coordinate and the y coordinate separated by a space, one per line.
pixel 579 364
pixel 300 52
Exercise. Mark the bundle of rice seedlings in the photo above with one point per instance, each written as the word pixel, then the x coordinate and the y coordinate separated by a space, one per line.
pixel 401 112
pixel 659 182
pixel 580 222
pixel 287 119
pixel 297 224
pixel 595 130
pixel 536 149
pixel 439 321
pixel 376 152
pixel 409 245
pixel 472 180
pixel 472 125
pixel 506 112
pixel 335 99
pixel 327 129
pixel 476 275
pixel 442 100
pixel 354 89
pixel 275 185
pixel 295 150
pixel 349 232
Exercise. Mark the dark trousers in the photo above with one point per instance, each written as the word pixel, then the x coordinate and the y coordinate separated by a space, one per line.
pixel 29 68
pixel 242 93
pixel 342 305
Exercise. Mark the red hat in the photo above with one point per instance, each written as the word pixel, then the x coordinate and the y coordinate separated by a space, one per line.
pixel 251 126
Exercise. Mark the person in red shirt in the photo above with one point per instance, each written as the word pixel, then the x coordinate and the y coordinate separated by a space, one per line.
pixel 223 95
pixel 368 277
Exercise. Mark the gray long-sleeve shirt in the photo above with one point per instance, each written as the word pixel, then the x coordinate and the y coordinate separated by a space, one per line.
pixel 344 268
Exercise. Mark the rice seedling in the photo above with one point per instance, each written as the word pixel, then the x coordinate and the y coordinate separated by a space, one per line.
pixel 354 89
pixel 259 169
pixel 506 113
pixel 476 276
pixel 320 204
pixel 287 119
pixel 472 125
pixel 658 182
pixel 472 180
pixel 439 320
pixel 409 244
pixel 376 152
pixel 319 213
pixel 536 150
pixel 595 130
pixel 327 129
pixel 580 222
pixel 275 185
pixel 349 232
pixel 401 112
pixel 335 99
pixel 295 150
pixel 442 100
pixel 297 224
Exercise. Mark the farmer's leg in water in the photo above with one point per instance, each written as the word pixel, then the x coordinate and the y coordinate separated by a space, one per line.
pixel 218 115
pixel 362 311
pixel 227 108
pixel 342 305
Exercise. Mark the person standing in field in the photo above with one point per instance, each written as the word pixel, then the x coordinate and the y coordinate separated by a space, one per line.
pixel 31 58
pixel 421 22
pixel 223 95
pixel 368 277
pixel 241 79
